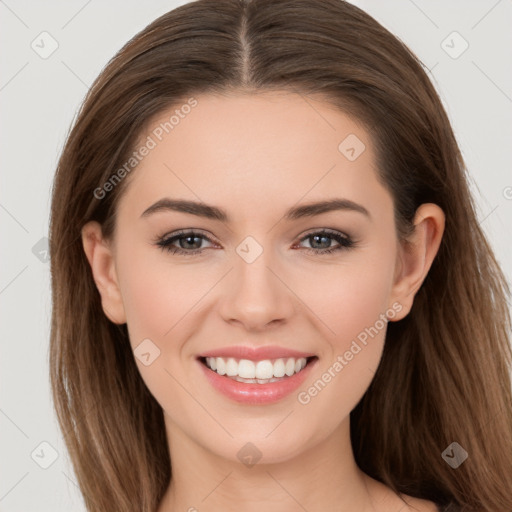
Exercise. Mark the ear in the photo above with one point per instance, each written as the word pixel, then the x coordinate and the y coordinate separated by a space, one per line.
pixel 101 259
pixel 415 256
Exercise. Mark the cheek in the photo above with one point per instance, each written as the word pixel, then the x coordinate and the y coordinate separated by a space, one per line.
pixel 158 299
pixel 353 305
pixel 353 298
pixel 157 294
pixel 359 303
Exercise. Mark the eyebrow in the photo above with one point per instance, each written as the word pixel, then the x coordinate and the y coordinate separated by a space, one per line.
pixel 215 213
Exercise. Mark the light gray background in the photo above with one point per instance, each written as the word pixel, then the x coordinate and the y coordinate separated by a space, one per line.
pixel 38 100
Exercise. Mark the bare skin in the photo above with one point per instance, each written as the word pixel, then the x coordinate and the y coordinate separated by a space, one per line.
pixel 256 156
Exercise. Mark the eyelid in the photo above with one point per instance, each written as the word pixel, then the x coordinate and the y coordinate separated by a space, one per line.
pixel 330 231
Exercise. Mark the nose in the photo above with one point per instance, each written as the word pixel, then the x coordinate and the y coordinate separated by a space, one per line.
pixel 256 294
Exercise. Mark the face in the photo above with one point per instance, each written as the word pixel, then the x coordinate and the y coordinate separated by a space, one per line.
pixel 257 277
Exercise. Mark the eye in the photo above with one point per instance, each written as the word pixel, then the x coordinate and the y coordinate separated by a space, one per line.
pixel 189 243
pixel 320 241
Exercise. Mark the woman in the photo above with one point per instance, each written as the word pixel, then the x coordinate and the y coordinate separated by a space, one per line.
pixel 271 290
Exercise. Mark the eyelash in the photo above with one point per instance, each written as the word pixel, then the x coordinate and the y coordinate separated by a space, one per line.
pixel 345 242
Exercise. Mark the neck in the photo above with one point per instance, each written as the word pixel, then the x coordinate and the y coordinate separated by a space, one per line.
pixel 325 477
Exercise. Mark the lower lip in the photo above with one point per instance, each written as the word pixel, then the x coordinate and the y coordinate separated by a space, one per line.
pixel 256 394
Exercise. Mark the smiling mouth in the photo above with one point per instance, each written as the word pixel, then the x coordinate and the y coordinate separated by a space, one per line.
pixel 257 372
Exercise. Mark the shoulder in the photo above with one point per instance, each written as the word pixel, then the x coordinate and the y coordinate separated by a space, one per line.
pixel 389 501
pixel 419 505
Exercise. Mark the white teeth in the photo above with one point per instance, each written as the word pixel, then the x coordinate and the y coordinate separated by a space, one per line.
pixel 221 366
pixel 279 368
pixel 290 367
pixel 264 369
pixel 231 367
pixel 248 371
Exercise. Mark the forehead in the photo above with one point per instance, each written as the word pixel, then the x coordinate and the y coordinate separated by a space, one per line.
pixel 243 149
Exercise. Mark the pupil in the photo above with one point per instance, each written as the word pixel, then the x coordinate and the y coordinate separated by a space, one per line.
pixel 319 237
pixel 188 238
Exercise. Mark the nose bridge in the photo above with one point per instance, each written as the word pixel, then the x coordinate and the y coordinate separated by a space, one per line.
pixel 256 294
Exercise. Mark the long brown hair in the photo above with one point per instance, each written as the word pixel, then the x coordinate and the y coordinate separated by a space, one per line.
pixel 445 372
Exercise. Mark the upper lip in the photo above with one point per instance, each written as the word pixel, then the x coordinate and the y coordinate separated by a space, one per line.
pixel 256 353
